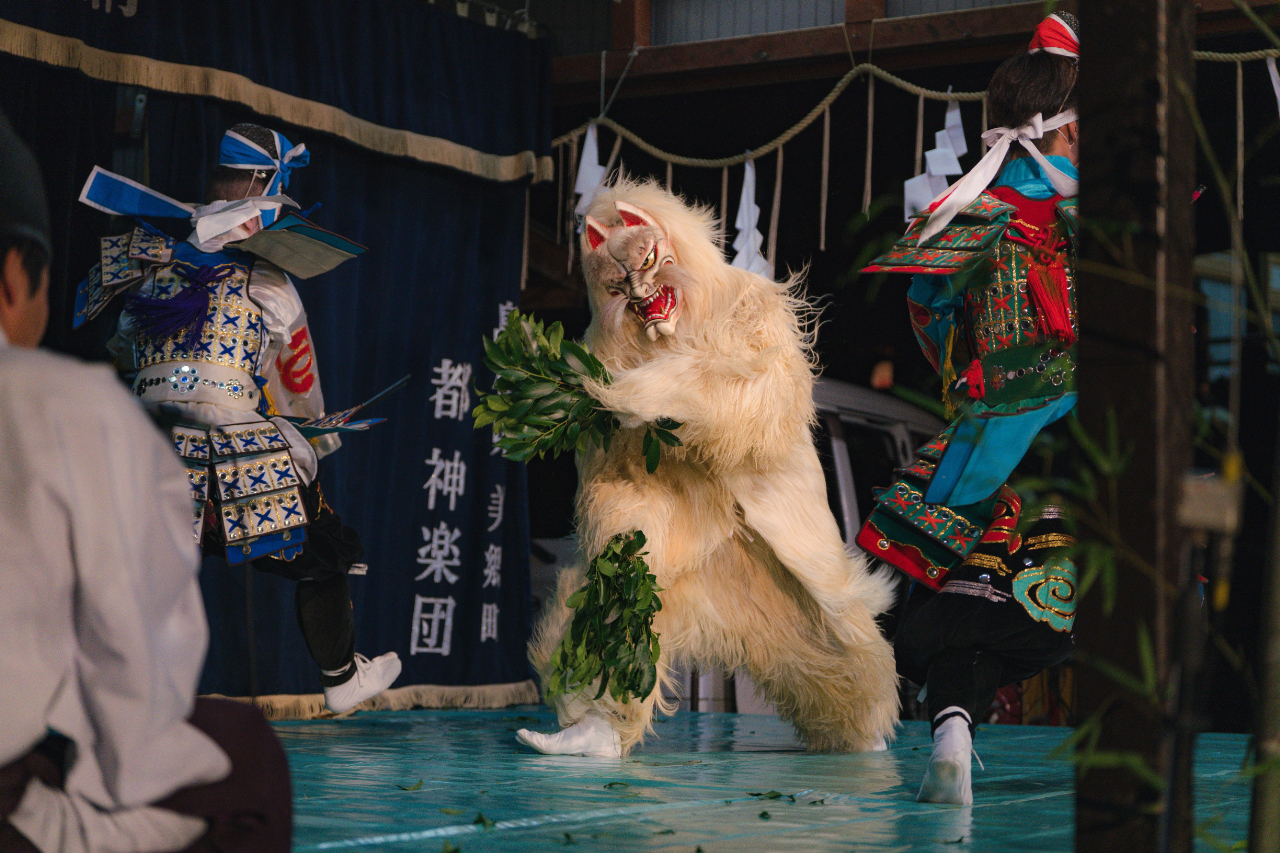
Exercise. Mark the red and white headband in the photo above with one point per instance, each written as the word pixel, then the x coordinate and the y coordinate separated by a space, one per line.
pixel 1055 34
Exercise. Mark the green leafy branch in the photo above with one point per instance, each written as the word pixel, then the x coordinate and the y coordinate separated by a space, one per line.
pixel 539 404
pixel 611 637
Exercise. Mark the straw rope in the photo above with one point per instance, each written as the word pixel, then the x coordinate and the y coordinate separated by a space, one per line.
pixel 1214 56
pixel 786 136
pixel 813 114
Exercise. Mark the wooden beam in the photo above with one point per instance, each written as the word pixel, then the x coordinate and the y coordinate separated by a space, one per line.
pixel 863 10
pixel 918 41
pixel 632 24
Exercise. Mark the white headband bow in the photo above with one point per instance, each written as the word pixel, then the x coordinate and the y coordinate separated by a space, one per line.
pixel 999 139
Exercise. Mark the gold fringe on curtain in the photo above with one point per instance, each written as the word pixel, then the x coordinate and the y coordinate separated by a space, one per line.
pixel 311 706
pixel 129 70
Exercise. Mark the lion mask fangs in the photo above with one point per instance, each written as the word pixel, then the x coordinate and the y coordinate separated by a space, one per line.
pixel 628 260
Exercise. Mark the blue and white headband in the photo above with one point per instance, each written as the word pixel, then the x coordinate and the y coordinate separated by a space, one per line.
pixel 237 152
pixel 116 194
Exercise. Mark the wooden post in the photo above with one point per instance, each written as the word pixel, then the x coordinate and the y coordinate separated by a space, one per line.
pixel 1264 818
pixel 1137 165
pixel 632 24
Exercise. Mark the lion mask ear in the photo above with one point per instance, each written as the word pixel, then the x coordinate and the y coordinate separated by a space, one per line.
pixel 632 215
pixel 596 233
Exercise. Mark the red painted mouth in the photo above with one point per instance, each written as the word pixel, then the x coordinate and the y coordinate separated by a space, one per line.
pixel 660 306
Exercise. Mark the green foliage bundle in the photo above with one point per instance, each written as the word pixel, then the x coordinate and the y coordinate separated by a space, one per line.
pixel 539 405
pixel 611 637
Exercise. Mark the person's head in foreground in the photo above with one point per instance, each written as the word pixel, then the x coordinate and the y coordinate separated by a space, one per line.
pixel 24 242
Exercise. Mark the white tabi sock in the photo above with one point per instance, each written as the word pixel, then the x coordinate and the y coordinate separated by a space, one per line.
pixel 590 736
pixel 947 779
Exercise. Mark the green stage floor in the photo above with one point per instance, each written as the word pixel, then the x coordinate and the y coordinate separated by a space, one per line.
pixel 419 781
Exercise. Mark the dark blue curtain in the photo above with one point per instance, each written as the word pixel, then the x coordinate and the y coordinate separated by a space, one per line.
pixel 448 580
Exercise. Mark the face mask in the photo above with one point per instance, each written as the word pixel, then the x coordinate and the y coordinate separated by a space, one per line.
pixel 214 220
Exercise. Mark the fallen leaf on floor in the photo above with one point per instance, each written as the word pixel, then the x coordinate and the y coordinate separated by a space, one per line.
pixel 617 785
pixel 568 839
pixel 411 787
pixel 483 821
pixel 765 815
pixel 452 811
pixel 665 832
pixel 449 848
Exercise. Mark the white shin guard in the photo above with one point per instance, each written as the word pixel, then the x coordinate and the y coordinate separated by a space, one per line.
pixel 591 736
pixel 948 778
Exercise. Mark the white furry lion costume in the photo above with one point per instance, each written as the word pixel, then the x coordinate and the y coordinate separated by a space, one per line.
pixel 740 536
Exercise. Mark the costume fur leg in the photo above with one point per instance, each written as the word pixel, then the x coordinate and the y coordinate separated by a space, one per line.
pixel 629 719
pixel 740 537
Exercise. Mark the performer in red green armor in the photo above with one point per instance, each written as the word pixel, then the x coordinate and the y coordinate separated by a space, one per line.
pixel 993 306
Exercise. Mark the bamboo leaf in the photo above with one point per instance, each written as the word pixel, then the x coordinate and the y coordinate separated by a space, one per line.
pixel 1134 762
pixel 1147 655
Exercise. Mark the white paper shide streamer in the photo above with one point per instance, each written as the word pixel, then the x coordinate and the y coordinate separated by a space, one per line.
pixel 746 245
pixel 1275 78
pixel 590 174
pixel 942 161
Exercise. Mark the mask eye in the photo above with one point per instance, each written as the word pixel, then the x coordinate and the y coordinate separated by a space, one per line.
pixel 650 258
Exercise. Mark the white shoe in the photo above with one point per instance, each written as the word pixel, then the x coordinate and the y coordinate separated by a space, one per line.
pixel 370 678
pixel 948 778
pixel 591 736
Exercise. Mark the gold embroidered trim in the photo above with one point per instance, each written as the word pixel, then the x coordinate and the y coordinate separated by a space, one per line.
pixel 130 70
pixel 1050 540
pixel 989 562
pixel 1050 512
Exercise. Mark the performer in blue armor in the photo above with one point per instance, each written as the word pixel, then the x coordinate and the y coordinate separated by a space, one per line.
pixel 216 339
pixel 993 306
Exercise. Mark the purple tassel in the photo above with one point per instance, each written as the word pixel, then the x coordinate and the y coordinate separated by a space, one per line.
pixel 184 314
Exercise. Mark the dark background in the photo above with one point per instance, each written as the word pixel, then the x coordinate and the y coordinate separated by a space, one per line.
pixel 445 249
